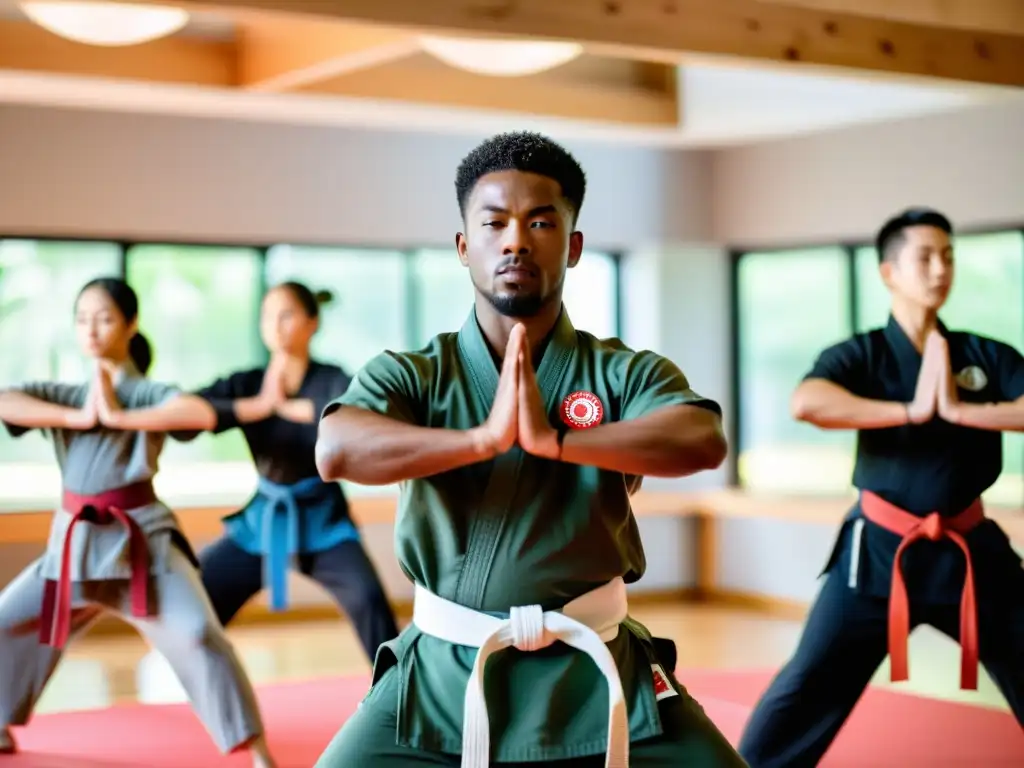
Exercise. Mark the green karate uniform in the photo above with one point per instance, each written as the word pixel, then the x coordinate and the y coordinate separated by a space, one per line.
pixel 519 530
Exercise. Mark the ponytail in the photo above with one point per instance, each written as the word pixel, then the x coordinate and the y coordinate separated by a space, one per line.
pixel 310 301
pixel 140 352
pixel 127 301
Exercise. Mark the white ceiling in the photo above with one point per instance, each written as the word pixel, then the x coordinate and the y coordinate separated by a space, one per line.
pixel 723 102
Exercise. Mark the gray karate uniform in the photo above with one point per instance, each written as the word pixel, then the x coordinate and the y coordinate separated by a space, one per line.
pixel 183 628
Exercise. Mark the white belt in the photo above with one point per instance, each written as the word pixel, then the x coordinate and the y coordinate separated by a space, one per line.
pixel 586 623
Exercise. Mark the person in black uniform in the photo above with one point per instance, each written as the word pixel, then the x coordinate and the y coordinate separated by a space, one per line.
pixel 294 515
pixel 928 404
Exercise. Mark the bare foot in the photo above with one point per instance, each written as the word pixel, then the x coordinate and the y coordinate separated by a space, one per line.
pixel 7 745
pixel 261 757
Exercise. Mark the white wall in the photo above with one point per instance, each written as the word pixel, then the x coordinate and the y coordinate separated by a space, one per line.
pixel 111 175
pixel 93 173
pixel 843 185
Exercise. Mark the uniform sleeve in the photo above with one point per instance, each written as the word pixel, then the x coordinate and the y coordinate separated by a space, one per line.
pixel 1010 373
pixel 389 385
pixel 843 364
pixel 69 395
pixel 151 394
pixel 221 395
pixel 654 382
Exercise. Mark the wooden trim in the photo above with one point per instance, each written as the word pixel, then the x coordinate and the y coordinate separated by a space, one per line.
pixel 778 607
pixel 706 554
pixel 259 614
pixel 203 523
pixel 197 523
pixel 705 508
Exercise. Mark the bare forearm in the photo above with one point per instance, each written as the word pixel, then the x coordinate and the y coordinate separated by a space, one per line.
pixel 180 414
pixel 371 449
pixel 828 406
pixel 298 411
pixel 680 441
pixel 27 411
pixel 998 417
pixel 249 410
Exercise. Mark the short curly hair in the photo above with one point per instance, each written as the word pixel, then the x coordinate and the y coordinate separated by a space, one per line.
pixel 522 151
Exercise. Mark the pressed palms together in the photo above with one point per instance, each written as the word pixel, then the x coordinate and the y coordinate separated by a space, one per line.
pixel 518 414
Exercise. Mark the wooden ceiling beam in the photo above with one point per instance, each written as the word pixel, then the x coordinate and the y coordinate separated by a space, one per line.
pixel 751 29
pixel 302 55
pixel 592 90
pixel 1001 16
pixel 285 53
pixel 179 60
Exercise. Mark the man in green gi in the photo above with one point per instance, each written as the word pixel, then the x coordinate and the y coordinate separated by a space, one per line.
pixel 517 443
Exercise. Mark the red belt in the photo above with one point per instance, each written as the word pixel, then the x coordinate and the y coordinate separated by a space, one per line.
pixel 102 509
pixel 933 527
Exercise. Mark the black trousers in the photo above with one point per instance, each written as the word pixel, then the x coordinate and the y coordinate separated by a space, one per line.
pixel 232 576
pixel 843 643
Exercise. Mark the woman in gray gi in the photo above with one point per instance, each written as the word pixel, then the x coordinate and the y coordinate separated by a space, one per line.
pixel 114 546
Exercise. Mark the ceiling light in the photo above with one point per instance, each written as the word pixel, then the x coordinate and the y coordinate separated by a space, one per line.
pixel 501 58
pixel 107 24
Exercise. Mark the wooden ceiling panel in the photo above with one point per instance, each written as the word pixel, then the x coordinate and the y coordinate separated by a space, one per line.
pixel 370 49
pixel 763 30
pixel 280 53
pixel 590 89
pixel 180 60
pixel 275 53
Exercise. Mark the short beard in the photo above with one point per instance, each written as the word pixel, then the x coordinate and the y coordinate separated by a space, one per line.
pixel 513 305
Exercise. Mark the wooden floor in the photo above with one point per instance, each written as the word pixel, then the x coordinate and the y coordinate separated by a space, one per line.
pixel 100 670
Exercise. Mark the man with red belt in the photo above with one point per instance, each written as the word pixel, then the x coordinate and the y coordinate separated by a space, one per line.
pixel 929 405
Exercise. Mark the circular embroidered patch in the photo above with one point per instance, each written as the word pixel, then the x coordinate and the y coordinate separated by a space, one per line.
pixel 972 378
pixel 582 410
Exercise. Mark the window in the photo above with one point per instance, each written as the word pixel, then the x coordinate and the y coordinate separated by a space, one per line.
pixel 591 294
pixel 443 294
pixel 39 282
pixel 792 305
pixel 872 295
pixel 198 306
pixel 988 299
pixel 368 312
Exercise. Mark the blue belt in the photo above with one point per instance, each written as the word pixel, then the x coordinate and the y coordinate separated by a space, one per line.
pixel 280 530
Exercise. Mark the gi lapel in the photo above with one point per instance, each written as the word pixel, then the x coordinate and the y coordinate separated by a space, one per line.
pixel 557 360
pixel 487 521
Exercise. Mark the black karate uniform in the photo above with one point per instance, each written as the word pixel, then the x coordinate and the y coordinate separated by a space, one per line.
pixel 284 453
pixel 933 467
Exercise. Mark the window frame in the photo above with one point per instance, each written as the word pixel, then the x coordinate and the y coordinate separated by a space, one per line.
pixel 849 248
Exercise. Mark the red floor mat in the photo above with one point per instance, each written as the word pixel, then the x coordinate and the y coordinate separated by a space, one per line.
pixel 887 729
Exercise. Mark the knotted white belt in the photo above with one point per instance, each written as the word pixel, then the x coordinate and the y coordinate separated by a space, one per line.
pixel 586 623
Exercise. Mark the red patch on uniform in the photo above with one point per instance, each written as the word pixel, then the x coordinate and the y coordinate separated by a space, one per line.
pixel 662 687
pixel 582 410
